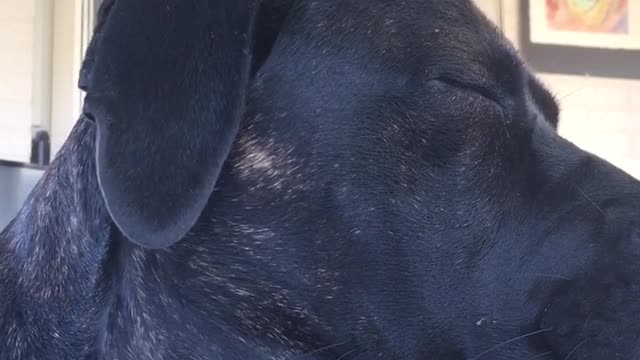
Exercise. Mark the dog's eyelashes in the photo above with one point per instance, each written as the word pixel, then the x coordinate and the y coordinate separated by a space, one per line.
pixel 480 88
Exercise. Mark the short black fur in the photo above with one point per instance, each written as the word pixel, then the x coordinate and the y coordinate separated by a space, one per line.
pixel 318 179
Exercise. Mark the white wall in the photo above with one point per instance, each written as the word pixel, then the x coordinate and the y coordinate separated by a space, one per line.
pixel 17 71
pixel 67 59
pixel 601 116
pixel 492 8
pixel 41 48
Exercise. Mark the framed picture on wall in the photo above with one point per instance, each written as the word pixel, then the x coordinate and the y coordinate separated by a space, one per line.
pixel 582 37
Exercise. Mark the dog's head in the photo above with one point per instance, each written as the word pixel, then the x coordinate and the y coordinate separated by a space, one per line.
pixel 400 149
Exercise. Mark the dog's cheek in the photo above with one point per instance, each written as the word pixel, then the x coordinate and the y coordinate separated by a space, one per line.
pixel 596 317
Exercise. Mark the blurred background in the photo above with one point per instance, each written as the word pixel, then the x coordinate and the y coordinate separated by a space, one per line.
pixel 586 51
pixel 41 48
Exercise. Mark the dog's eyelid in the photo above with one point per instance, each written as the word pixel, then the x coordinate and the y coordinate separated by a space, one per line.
pixel 482 88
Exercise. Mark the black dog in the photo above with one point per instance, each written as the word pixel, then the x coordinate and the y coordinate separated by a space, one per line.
pixel 318 179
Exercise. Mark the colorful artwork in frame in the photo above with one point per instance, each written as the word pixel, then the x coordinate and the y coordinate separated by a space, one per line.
pixel 586 37
pixel 587 23
pixel 599 16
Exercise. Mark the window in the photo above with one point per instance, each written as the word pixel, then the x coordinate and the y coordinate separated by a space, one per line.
pixel 41 49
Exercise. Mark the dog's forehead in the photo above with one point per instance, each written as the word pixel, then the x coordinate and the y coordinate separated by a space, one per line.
pixel 416 35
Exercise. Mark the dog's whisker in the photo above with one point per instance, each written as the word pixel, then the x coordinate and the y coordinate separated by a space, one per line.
pixel 586 322
pixel 590 200
pixel 328 347
pixel 564 97
pixel 540 355
pixel 509 342
pixel 553 276
pixel 576 348
pixel 346 354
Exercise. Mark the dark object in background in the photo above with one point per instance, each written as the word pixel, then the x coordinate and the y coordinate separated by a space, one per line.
pixel 16 182
pixel 40 147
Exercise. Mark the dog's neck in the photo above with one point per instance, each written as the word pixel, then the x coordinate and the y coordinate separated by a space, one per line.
pixel 53 256
pixel 63 254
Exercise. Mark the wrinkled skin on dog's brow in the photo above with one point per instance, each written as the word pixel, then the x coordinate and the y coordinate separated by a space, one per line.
pixel 395 189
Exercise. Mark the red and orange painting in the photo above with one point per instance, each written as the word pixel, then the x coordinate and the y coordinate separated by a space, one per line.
pixel 590 16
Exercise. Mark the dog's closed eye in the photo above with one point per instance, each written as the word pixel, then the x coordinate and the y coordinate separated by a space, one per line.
pixel 480 87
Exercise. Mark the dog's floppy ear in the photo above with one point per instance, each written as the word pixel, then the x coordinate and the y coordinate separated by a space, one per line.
pixel 90 55
pixel 166 84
